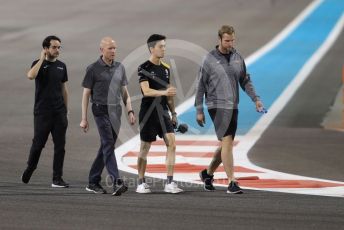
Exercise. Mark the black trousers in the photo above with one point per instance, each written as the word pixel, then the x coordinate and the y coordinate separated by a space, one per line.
pixel 44 124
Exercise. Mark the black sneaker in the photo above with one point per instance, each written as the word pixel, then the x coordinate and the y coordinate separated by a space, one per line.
pixel 96 188
pixel 59 183
pixel 119 189
pixel 234 188
pixel 208 180
pixel 26 175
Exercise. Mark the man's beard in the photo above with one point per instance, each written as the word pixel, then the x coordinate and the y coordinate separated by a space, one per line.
pixel 49 56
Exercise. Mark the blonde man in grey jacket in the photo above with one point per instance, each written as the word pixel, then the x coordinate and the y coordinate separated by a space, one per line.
pixel 221 73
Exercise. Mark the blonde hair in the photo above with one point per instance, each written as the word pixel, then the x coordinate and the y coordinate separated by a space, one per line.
pixel 225 29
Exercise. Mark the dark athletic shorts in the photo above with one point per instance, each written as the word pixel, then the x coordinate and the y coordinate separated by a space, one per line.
pixel 225 121
pixel 154 124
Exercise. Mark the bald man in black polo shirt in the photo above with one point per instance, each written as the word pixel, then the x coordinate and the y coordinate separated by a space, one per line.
pixel 105 83
pixel 50 110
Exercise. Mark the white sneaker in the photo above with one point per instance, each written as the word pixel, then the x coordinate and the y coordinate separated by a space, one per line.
pixel 143 188
pixel 172 188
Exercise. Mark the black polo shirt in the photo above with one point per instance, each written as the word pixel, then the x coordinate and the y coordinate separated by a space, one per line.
pixel 48 93
pixel 158 77
pixel 105 82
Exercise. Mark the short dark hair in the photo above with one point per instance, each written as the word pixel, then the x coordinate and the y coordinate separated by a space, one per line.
pixel 153 39
pixel 46 41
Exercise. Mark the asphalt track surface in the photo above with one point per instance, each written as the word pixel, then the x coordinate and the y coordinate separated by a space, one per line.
pixel 294 143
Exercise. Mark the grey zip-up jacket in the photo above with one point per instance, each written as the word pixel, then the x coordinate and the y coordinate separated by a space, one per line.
pixel 219 81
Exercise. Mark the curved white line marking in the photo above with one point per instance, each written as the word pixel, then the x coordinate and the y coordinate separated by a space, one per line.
pixel 247 141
